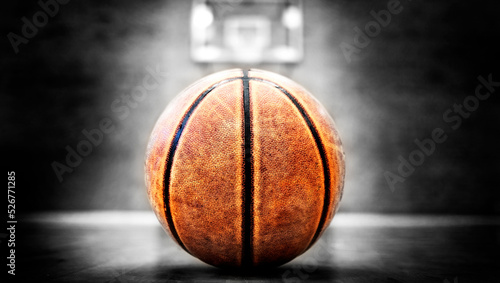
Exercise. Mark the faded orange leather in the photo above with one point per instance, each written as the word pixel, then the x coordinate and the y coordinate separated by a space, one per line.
pixel 207 183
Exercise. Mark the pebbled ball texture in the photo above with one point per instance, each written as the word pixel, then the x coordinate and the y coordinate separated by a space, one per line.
pixel 245 169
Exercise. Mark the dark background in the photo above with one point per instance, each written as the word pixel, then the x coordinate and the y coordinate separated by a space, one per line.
pixel 394 91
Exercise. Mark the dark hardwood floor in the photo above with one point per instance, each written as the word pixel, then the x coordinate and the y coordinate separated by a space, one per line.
pixel 132 247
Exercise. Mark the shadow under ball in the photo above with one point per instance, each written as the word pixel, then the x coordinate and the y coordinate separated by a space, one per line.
pixel 245 169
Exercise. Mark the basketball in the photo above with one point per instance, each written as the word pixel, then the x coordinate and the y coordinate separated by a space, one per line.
pixel 244 168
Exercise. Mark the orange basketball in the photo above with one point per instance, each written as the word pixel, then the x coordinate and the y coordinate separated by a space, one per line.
pixel 245 169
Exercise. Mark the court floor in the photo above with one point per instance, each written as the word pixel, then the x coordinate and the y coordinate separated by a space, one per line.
pixel 117 246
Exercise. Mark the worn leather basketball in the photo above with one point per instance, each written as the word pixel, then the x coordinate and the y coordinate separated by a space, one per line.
pixel 245 169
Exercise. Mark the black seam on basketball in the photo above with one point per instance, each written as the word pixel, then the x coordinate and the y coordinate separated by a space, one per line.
pixel 247 194
pixel 170 158
pixel 322 153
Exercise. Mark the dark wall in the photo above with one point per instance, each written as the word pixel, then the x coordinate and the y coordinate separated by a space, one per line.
pixel 77 71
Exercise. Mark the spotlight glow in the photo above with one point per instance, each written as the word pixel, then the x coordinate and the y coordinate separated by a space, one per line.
pixel 202 16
